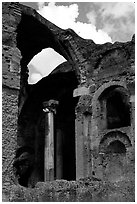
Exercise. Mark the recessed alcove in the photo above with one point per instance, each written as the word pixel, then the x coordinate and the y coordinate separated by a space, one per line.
pixel 114 108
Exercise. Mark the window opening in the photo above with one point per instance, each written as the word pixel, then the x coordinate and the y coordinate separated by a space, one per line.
pixel 114 108
pixel 118 114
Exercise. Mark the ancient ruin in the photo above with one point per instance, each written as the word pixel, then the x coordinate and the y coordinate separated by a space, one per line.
pixel 76 123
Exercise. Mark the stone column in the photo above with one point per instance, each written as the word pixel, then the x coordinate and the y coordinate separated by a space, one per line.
pixel 83 151
pixel 79 146
pixel 49 109
pixel 86 144
pixel 82 131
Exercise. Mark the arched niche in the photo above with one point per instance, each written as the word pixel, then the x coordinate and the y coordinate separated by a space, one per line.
pixel 111 106
pixel 114 142
pixel 114 149
pixel 115 107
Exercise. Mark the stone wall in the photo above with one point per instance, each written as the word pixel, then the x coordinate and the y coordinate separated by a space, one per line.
pixel 86 190
pixel 94 68
pixel 113 67
pixel 10 84
pixel 9 134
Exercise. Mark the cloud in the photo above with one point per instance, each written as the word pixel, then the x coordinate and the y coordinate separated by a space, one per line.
pixel 66 17
pixel 115 18
pixel 116 9
pixel 92 17
pixel 41 5
pixel 107 22
pixel 63 16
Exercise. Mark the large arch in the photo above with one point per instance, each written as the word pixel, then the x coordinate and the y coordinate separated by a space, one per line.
pixel 32 127
pixel 35 33
pixel 32 34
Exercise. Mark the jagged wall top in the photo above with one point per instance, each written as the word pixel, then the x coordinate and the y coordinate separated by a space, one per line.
pixel 28 31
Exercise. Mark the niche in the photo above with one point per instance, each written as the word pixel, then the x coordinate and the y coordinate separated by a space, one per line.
pixel 118 113
pixel 114 108
pixel 116 147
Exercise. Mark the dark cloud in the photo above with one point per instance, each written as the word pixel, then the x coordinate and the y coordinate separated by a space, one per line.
pixel 115 18
pixel 68 16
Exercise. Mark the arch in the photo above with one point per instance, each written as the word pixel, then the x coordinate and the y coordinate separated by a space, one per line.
pixel 116 147
pixel 116 108
pixel 32 125
pixel 102 88
pixel 112 137
pixel 45 35
pixel 110 104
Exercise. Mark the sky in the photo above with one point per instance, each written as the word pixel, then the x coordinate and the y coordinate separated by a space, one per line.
pixel 100 21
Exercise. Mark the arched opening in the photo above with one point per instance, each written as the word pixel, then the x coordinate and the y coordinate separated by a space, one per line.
pixel 116 147
pixel 115 161
pixel 33 127
pixel 35 33
pixel 113 154
pixel 114 108
pixel 114 142
pixel 118 113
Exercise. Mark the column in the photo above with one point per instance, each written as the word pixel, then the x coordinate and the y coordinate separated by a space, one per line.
pixel 82 128
pixel 86 143
pixel 50 110
pixel 79 146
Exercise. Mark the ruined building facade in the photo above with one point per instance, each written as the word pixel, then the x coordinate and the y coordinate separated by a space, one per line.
pixel 77 122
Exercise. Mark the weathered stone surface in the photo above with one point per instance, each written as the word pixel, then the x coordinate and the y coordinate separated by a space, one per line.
pixel 80 191
pixel 81 91
pixel 104 71
pixel 9 139
pixel 67 43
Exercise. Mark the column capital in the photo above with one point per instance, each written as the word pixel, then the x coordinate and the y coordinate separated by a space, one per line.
pixel 50 106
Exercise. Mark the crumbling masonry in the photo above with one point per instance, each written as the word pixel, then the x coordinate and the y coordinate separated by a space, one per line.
pixel 77 122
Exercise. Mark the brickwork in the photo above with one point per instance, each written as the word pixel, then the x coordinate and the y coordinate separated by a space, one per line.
pixel 85 87
pixel 9 132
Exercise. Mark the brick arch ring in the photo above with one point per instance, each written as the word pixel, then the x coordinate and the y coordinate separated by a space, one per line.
pixel 114 136
pixel 101 89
